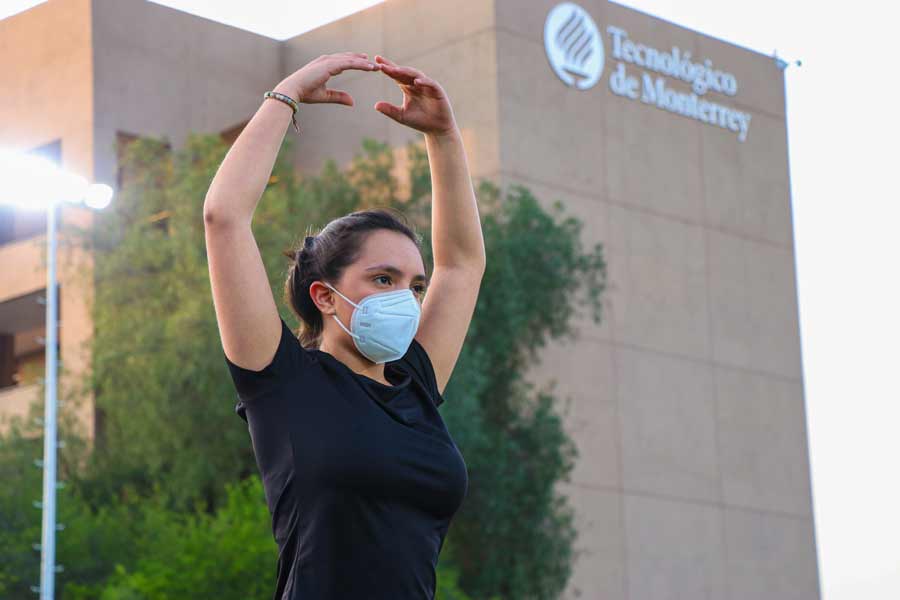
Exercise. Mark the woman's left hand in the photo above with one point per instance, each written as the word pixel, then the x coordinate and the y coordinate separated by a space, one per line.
pixel 426 106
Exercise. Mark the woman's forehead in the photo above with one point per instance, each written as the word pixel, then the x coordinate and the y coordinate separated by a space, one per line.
pixel 385 247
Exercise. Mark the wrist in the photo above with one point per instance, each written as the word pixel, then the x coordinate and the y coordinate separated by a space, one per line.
pixel 450 134
pixel 288 90
pixel 284 98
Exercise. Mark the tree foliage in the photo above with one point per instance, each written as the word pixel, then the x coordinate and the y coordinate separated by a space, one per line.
pixel 169 505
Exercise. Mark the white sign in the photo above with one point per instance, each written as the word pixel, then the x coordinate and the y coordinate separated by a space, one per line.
pixel 575 50
pixel 573 45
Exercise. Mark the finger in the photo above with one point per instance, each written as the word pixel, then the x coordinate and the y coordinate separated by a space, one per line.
pixel 426 82
pixel 391 110
pixel 340 54
pixel 337 97
pixel 406 70
pixel 354 62
pixel 343 64
pixel 409 70
pixel 398 74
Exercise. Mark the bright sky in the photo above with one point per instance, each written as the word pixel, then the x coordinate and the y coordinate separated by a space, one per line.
pixel 842 126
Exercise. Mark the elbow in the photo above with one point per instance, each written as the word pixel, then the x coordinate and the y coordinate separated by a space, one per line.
pixel 477 266
pixel 213 217
pixel 476 263
pixel 480 260
pixel 209 217
pixel 481 264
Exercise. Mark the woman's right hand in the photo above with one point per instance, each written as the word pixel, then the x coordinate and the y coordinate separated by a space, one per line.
pixel 307 85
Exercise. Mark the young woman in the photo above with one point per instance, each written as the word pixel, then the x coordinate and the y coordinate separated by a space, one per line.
pixel 361 475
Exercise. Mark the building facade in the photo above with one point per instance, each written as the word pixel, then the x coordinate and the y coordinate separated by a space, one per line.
pixel 686 402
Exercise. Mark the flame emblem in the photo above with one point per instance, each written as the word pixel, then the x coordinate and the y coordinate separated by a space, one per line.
pixel 573 45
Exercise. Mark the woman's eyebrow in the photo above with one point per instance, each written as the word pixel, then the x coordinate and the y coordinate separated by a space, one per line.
pixel 396 272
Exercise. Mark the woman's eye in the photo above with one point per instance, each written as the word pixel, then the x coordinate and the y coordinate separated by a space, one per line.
pixel 386 279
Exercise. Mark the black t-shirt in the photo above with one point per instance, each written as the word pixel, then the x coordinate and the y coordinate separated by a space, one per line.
pixel 361 478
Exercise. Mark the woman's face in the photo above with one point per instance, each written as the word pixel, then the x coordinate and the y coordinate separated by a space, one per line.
pixel 388 261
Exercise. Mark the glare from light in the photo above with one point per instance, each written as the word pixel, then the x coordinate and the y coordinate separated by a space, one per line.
pixel 98 196
pixel 32 182
pixel 63 186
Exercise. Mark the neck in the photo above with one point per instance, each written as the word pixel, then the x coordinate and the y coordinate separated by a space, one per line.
pixel 357 363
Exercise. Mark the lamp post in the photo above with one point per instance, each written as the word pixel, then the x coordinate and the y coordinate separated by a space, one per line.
pixel 48 503
pixel 33 181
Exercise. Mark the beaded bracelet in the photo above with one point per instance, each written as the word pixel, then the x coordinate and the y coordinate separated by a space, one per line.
pixel 287 100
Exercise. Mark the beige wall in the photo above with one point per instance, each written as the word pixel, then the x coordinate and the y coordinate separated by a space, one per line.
pixel 164 73
pixel 46 61
pixel 453 42
pixel 687 402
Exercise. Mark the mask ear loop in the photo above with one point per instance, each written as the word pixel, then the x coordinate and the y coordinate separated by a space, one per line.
pixel 341 295
pixel 335 317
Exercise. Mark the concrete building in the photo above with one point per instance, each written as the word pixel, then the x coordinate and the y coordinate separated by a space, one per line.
pixel 687 401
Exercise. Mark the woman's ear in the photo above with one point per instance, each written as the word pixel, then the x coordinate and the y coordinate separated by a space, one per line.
pixel 322 297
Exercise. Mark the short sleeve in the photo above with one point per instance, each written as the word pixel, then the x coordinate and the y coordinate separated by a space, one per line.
pixel 251 385
pixel 417 361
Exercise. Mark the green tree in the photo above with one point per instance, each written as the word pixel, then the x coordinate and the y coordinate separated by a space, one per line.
pixel 20 521
pixel 227 554
pixel 172 466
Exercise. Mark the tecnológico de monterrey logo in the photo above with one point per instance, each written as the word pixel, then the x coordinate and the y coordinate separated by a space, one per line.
pixel 573 46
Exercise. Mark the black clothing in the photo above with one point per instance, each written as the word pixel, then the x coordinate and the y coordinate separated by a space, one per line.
pixel 361 478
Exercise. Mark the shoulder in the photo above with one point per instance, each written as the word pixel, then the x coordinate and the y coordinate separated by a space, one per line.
pixel 290 361
pixel 418 364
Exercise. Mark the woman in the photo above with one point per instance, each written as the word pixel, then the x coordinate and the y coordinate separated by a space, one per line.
pixel 360 473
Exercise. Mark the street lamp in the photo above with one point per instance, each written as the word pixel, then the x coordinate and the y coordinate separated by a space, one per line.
pixel 31 182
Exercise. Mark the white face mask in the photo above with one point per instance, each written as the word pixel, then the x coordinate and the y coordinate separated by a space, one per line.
pixel 384 324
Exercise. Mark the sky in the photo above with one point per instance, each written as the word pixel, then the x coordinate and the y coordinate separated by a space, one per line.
pixel 842 130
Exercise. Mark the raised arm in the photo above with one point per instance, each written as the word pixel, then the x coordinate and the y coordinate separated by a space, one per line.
pixel 458 244
pixel 248 319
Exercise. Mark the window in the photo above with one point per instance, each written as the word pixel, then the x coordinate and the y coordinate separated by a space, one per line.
pixel 123 140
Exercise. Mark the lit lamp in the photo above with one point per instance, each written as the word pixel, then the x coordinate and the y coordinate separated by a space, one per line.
pixel 32 182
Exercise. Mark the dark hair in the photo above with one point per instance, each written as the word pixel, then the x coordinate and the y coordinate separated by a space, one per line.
pixel 325 256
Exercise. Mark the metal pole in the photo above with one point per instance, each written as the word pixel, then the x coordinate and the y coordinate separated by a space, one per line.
pixel 48 532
